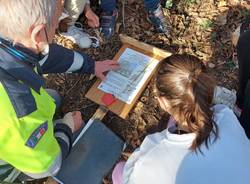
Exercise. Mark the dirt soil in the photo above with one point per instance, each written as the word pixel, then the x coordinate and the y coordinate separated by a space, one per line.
pixel 199 27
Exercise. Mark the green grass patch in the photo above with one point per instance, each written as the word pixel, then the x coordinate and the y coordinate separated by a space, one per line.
pixel 169 4
pixel 245 13
pixel 190 1
pixel 205 25
pixel 230 65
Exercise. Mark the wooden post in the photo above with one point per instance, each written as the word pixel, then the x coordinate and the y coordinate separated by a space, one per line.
pixel 100 113
pixel 144 46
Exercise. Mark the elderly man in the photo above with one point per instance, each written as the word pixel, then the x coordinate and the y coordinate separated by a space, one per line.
pixel 29 141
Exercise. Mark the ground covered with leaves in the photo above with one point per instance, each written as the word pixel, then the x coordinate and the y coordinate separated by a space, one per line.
pixel 203 28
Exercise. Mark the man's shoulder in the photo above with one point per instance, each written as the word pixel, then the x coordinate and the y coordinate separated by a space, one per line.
pixel 18 94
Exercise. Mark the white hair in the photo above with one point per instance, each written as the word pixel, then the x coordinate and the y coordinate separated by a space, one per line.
pixel 17 16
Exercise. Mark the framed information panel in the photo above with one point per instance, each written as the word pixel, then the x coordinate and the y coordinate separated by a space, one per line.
pixel 138 62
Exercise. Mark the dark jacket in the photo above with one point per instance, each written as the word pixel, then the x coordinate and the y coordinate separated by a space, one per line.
pixel 18 76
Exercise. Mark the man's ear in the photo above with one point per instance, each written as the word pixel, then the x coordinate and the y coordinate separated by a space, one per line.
pixel 37 33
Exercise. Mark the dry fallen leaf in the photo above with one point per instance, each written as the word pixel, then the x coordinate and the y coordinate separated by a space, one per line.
pixel 236 35
pixel 211 65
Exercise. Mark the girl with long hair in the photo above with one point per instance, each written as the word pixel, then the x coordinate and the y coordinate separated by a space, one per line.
pixel 205 143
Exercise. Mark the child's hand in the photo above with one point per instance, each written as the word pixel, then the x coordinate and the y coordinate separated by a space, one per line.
pixel 93 19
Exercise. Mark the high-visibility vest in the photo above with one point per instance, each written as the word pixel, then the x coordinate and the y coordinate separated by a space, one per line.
pixel 28 143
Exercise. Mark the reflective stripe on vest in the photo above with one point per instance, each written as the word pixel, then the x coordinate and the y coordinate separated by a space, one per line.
pixel 16 132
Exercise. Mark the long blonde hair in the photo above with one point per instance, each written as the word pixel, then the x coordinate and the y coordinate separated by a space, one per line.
pixel 184 82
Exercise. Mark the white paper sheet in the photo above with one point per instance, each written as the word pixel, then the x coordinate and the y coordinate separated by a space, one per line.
pixel 126 82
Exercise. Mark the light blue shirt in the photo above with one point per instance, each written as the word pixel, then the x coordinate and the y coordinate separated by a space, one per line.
pixel 165 158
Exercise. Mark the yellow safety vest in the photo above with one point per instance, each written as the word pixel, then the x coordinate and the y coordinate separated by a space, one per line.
pixel 28 143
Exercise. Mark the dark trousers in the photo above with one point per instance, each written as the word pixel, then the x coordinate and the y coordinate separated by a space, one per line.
pixel 243 94
pixel 110 5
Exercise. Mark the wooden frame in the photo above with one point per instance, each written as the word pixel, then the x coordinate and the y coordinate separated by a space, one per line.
pixel 118 107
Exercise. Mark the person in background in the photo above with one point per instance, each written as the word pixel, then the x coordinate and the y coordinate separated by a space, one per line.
pixel 243 93
pixel 154 15
pixel 109 14
pixel 72 10
pixel 204 143
pixel 239 101
pixel 29 141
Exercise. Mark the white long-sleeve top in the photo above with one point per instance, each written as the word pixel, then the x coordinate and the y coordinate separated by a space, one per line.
pixel 165 158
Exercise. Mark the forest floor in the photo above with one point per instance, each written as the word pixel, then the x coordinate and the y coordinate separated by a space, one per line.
pixel 203 28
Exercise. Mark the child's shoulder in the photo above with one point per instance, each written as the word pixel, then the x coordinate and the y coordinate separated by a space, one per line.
pixel 224 115
pixel 219 108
